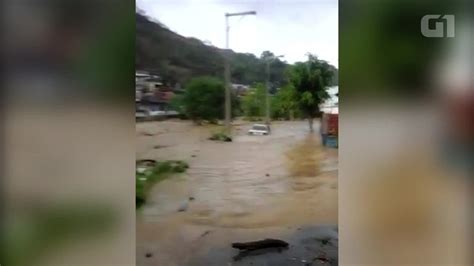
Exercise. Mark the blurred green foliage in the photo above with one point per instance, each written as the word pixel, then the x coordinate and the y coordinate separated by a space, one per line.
pixel 382 50
pixel 104 63
pixel 35 233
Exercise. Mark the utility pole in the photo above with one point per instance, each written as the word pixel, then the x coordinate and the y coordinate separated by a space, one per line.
pixel 228 107
pixel 267 85
pixel 267 93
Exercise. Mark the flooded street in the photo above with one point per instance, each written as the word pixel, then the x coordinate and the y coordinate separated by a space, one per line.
pixel 277 186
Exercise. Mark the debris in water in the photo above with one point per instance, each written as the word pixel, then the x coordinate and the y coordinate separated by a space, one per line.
pixel 183 207
pixel 159 146
pixel 145 163
pixel 324 241
pixel 220 137
pixel 261 244
pixel 191 198
pixel 206 233
pixel 267 174
pixel 245 253
pixel 322 259
pixel 148 255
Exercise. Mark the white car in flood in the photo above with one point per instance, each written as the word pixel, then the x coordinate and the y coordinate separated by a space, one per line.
pixel 259 129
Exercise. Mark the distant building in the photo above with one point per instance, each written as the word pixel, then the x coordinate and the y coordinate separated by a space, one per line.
pixel 331 105
pixel 151 96
pixel 240 89
pixel 145 80
pixel 178 89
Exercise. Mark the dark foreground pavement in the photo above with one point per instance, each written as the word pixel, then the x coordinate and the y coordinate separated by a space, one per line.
pixel 316 245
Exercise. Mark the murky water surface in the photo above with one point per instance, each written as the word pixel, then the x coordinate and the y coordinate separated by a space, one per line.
pixel 254 187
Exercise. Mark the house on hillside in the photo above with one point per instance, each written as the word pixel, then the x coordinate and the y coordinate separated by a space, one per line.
pixel 240 89
pixel 146 80
pixel 152 97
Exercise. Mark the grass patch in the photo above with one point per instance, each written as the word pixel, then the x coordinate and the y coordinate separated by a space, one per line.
pixel 153 175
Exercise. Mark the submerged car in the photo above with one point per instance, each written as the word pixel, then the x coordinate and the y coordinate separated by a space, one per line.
pixel 259 129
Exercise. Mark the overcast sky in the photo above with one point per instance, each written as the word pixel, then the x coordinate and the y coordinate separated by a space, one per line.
pixel 286 27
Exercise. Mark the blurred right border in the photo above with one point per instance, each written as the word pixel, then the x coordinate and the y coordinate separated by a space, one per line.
pixel 406 153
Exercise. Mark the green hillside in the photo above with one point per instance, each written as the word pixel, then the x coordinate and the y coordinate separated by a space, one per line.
pixel 178 59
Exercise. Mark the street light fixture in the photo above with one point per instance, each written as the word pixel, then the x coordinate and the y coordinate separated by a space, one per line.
pixel 227 68
pixel 267 94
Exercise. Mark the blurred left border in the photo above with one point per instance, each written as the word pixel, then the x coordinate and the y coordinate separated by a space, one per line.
pixel 68 132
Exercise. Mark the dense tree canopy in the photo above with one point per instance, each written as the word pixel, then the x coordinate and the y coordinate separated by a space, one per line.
pixel 253 103
pixel 203 99
pixel 311 80
pixel 284 103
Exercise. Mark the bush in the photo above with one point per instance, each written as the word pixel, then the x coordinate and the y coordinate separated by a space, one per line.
pixel 220 136
pixel 179 166
pixel 161 170
pixel 140 192
pixel 162 167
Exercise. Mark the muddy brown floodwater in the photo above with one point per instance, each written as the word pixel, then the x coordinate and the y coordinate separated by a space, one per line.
pixel 278 186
